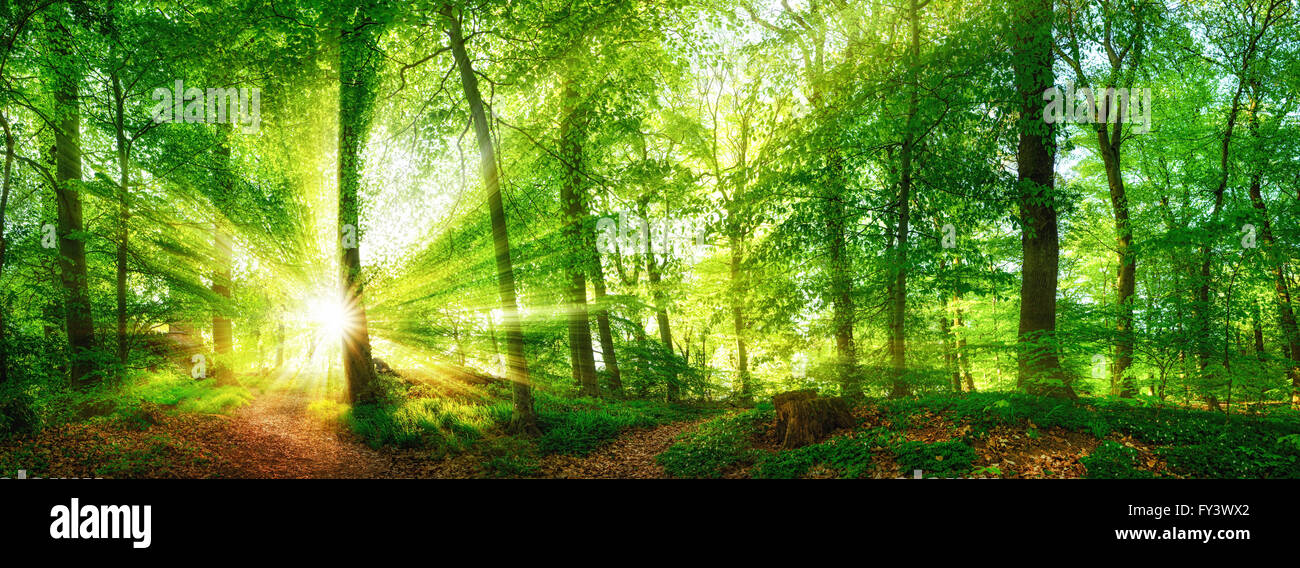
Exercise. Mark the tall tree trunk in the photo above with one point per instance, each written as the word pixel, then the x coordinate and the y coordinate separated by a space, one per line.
pixel 1202 306
pixel 524 419
pixel 222 334
pixel 738 288
pixel 279 342
pixel 571 194
pixel 1121 382
pixel 898 299
pixel 841 273
pixel 1031 45
pixel 356 96
pixel 963 357
pixel 123 219
pixel 661 312
pixel 607 353
pixel 737 233
pixel 223 252
pixel 1278 263
pixel 4 206
pixel 72 248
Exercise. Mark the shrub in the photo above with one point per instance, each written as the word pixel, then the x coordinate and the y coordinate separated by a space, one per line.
pixel 848 456
pixel 717 445
pixel 940 459
pixel 1112 460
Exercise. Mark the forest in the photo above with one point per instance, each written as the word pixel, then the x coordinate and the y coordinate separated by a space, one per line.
pixel 650 239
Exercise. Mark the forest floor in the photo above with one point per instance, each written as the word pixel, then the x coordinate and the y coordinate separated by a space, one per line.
pixel 279 433
pixel 275 436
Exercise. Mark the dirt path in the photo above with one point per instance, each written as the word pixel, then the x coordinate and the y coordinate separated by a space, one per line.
pixel 630 456
pixel 276 437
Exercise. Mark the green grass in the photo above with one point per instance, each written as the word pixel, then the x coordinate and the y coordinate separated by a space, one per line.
pixel 717 445
pixel 938 459
pixel 1112 460
pixel 579 426
pixel 405 419
pixel 432 423
pixel 848 457
pixel 189 395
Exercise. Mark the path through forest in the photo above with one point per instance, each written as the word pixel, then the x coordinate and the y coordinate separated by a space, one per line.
pixel 276 437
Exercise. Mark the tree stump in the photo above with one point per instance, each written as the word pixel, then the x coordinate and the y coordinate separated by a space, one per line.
pixel 802 418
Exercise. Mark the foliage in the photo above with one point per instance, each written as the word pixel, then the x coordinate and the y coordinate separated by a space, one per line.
pixel 717 446
pixel 938 459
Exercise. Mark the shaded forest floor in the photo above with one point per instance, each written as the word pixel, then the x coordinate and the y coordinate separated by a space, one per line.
pixel 426 429
pixel 276 436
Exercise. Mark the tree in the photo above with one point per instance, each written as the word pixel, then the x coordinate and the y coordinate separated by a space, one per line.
pixel 358 62
pixel 66 121
pixel 523 420
pixel 1031 47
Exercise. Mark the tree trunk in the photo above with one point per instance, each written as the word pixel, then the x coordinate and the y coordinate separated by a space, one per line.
pixel 4 206
pixel 841 272
pixel 802 418
pixel 72 248
pixel 123 220
pixel 661 312
pixel 898 298
pixel 356 96
pixel 580 348
pixel 1126 273
pixel 607 353
pixel 1031 45
pixel 222 334
pixel 1278 263
pixel 738 315
pixel 223 249
pixel 524 420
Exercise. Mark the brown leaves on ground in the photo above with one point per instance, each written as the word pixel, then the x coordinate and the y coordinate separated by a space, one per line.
pixel 275 437
pixel 630 456
pixel 1031 452
pixel 930 427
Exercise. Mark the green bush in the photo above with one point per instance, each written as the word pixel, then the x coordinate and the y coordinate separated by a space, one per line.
pixel 579 426
pixel 717 445
pixel 848 456
pixel 1112 460
pixel 939 459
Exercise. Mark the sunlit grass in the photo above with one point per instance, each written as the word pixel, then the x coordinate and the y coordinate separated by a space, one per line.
pixel 201 396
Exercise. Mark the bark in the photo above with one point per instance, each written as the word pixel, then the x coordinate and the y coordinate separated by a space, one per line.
pixel 607 353
pixel 72 248
pixel 841 272
pixel 523 420
pixel 1121 382
pixel 661 312
pixel 222 247
pixel 802 418
pixel 898 296
pixel 1031 44
pixel 571 194
pixel 738 288
pixel 737 232
pixel 123 220
pixel 1279 266
pixel 4 206
pixel 1202 305
pixel 356 96
pixel 963 358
